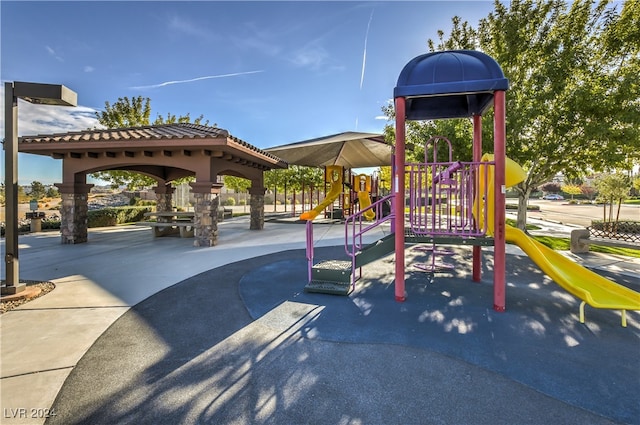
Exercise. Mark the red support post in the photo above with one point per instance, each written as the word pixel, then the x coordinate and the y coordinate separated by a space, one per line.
pixel 499 151
pixel 398 184
pixel 477 155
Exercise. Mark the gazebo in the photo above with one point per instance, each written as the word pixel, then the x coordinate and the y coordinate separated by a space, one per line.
pixel 164 152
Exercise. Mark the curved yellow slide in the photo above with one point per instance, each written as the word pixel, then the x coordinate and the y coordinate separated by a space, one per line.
pixel 332 195
pixel 365 201
pixel 588 286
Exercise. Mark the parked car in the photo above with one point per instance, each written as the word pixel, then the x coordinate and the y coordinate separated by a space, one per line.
pixel 553 197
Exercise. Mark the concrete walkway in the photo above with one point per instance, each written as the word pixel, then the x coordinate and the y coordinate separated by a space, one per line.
pixel 98 282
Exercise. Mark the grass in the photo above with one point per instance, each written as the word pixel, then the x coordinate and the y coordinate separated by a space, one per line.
pixel 564 244
pixel 513 223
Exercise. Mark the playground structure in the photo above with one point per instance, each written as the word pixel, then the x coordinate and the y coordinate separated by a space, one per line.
pixel 454 202
pixel 338 179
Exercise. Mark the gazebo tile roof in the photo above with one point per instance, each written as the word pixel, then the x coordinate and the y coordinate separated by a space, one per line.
pixel 176 132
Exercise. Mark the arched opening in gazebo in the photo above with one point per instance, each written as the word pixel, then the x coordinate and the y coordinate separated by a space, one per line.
pixel 163 152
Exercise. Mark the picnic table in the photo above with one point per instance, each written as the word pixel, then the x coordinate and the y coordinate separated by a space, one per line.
pixel 170 222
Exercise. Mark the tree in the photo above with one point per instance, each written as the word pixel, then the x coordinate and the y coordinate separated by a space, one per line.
pixel 572 189
pixel 274 179
pixel 636 185
pixel 37 190
pixel 237 184
pixel 612 188
pixel 550 187
pixel 573 103
pixel 572 106
pixel 133 112
pixel 125 113
pixel 588 191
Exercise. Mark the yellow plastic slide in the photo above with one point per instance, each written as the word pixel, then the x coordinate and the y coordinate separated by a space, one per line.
pixel 590 287
pixel 332 195
pixel 365 201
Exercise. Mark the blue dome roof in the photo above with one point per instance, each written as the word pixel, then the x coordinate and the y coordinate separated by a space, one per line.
pixel 449 84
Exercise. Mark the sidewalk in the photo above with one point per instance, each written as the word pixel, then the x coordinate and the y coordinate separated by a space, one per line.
pixel 98 282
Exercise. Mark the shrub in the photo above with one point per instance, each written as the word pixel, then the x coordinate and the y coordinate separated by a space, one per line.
pixel 116 215
pixel 230 202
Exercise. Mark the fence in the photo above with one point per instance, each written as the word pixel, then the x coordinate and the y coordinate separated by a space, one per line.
pixel 628 231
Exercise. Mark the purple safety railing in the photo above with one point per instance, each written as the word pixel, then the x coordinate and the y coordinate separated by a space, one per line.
pixel 310 248
pixel 355 227
pixel 442 195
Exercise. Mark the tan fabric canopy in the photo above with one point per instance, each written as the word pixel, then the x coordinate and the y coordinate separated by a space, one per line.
pixel 349 149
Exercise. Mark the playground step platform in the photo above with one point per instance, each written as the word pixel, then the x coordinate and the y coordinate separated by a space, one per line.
pixel 332 271
pixel 330 277
pixel 325 287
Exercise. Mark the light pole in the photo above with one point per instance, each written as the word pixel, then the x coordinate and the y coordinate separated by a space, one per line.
pixel 43 94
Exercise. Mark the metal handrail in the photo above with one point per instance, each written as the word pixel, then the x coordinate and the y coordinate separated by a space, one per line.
pixel 359 225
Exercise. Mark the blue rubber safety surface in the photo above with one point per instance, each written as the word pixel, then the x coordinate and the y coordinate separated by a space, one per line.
pixel 243 344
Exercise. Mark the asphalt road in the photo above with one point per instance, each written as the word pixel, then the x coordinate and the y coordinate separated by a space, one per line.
pixel 582 215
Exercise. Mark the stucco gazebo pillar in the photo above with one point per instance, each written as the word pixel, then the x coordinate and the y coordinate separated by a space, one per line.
pixel 207 201
pixel 74 212
pixel 257 207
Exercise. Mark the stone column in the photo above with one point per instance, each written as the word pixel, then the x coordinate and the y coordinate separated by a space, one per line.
pixel 257 208
pixel 164 198
pixel 74 212
pixel 207 201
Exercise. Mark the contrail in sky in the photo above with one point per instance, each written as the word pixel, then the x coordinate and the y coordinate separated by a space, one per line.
pixel 364 54
pixel 208 77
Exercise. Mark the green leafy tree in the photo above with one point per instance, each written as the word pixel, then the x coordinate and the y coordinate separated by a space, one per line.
pixel 573 99
pixel 37 190
pixel 125 113
pixel 274 180
pixel 384 178
pixel 238 185
pixel 573 103
pixel 53 192
pixel 636 185
pixel 133 112
pixel 612 189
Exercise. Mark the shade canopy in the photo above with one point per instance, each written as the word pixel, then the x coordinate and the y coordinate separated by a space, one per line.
pixel 449 84
pixel 349 149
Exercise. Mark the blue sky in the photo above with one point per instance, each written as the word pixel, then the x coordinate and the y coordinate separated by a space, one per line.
pixel 270 73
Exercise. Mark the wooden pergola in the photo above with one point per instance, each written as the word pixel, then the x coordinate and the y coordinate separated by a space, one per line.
pixel 164 152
